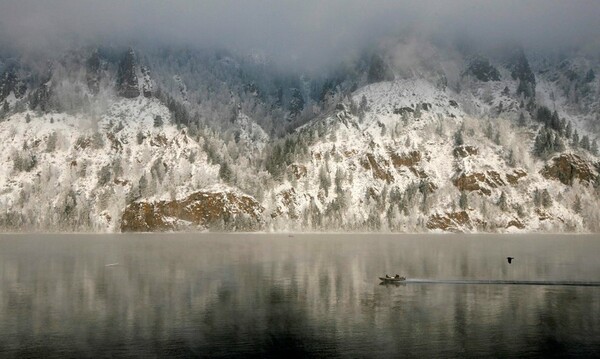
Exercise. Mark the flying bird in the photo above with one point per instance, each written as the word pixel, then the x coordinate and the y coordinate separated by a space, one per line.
pixel 510 259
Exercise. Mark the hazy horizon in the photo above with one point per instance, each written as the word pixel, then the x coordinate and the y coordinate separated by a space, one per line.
pixel 300 33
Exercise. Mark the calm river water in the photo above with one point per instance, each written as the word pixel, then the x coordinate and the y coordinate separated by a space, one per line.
pixel 258 295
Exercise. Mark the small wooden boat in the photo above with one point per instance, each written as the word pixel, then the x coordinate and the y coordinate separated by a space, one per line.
pixel 392 279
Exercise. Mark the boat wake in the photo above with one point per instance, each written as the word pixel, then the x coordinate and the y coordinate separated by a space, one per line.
pixel 503 282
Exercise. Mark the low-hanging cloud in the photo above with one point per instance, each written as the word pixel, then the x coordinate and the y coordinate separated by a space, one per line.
pixel 301 31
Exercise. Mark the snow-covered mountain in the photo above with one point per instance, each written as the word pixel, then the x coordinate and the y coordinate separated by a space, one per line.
pixel 418 161
pixel 117 141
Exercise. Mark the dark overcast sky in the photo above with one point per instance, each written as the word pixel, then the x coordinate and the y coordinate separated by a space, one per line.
pixel 310 30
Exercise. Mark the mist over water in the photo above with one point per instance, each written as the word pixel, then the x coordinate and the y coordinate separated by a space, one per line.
pixel 271 295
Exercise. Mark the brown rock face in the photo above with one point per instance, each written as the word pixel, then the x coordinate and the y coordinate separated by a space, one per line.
pixel 298 170
pixel 289 202
pixel 515 223
pixel 370 162
pixel 515 176
pixel 464 151
pixel 479 182
pixel 409 159
pixel 566 168
pixel 470 182
pixel 198 209
pixel 493 179
pixel 159 140
pixel 450 221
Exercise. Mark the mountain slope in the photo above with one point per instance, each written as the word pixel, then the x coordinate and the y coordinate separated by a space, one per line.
pixel 102 141
pixel 87 170
pixel 403 168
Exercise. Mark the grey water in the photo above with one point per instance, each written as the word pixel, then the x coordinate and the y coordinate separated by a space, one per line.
pixel 306 295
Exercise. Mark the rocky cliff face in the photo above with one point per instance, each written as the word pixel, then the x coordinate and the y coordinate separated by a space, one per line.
pixel 217 209
pixel 569 168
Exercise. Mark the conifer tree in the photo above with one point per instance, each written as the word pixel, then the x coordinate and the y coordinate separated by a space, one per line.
pixel 339 178
pixel 458 138
pixel 568 130
pixel 512 162
pixel 590 76
pixel 555 121
pixel 546 199
pixel 521 122
pixel 546 143
pixel 463 201
pixel 502 202
pixel 158 121
pixel 577 204
pixel 558 145
pixel 585 142
pixel 225 172
pixel 489 131
pixel 537 198
pixel 379 71
pixel 363 103
pixel 324 179
pixel 127 81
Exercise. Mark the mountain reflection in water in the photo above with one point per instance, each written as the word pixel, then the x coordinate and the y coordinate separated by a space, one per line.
pixel 222 295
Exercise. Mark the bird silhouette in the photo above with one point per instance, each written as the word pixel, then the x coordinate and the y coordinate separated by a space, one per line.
pixel 510 259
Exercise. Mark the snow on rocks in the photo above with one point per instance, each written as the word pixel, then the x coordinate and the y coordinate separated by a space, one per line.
pixel 101 163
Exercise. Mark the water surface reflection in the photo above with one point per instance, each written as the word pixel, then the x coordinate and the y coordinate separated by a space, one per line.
pixel 270 295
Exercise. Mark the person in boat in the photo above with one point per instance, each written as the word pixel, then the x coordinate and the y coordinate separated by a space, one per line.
pixel 387 276
pixel 397 276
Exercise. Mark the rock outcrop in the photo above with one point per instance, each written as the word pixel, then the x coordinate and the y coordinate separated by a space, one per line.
pixel 451 222
pixel 409 159
pixel 379 167
pixel 215 209
pixel 464 151
pixel 513 178
pixel 297 170
pixel 483 182
pixel 568 167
